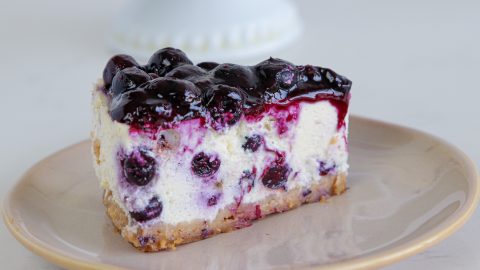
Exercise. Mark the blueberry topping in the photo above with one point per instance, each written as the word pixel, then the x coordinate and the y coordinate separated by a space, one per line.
pixel 204 165
pixel 164 60
pixel 170 89
pixel 153 210
pixel 235 76
pixel 276 175
pixel 153 75
pixel 310 73
pixel 115 64
pixel 183 96
pixel 188 72
pixel 268 72
pixel 132 108
pixel 286 78
pixel 252 143
pixel 128 79
pixel 224 103
pixel 139 168
pixel 207 65
pixel 158 102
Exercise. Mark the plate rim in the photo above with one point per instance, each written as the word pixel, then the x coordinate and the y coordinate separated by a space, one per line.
pixel 373 260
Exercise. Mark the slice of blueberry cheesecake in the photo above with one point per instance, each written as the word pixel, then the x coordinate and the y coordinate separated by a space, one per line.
pixel 186 151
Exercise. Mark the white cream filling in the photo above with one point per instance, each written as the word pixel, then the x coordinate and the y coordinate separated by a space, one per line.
pixel 184 196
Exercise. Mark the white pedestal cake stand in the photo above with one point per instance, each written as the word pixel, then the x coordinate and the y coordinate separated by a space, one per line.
pixel 205 30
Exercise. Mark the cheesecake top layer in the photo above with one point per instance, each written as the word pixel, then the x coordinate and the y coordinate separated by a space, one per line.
pixel 170 89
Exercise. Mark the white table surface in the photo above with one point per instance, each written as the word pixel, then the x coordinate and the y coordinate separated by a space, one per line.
pixel 416 63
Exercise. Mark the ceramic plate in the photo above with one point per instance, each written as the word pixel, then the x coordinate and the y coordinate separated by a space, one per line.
pixel 408 191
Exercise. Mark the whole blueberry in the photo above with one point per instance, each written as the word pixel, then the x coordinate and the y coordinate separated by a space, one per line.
pixel 151 211
pixel 183 96
pixel 235 76
pixel 224 104
pixel 138 109
pixel 128 79
pixel 139 168
pixel 204 165
pixel 115 64
pixel 166 59
pixel 276 176
pixel 189 72
pixel 205 84
pixel 207 65
pixel 267 71
pixel 286 78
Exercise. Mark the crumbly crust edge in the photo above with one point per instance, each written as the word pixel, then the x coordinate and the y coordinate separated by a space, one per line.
pixel 161 236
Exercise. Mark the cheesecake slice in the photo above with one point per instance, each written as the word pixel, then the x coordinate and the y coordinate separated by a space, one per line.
pixel 185 151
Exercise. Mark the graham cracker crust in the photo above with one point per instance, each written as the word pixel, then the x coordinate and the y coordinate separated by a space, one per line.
pixel 161 236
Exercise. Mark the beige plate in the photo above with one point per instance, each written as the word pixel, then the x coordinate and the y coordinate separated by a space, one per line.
pixel 408 191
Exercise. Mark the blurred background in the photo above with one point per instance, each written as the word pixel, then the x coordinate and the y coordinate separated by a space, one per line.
pixel 415 63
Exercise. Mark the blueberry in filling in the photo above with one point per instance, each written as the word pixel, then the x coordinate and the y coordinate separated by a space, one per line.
pixel 151 211
pixel 139 168
pixel 204 165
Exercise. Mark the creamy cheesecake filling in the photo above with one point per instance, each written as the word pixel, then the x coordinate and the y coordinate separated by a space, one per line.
pixel 312 146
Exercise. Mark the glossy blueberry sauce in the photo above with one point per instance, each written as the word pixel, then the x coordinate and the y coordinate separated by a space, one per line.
pixel 171 89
